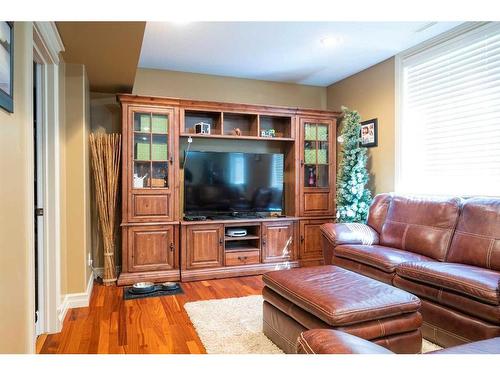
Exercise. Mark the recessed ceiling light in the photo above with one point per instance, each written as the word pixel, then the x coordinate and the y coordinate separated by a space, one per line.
pixel 330 41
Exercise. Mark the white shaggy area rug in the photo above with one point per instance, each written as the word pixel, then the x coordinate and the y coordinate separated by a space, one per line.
pixel 234 326
pixel 231 326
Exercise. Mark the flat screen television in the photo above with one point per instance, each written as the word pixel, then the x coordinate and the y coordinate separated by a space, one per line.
pixel 218 183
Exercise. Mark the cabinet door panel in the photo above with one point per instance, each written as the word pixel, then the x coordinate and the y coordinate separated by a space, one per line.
pixel 151 205
pixel 277 242
pixel 151 248
pixel 310 239
pixel 205 246
pixel 318 203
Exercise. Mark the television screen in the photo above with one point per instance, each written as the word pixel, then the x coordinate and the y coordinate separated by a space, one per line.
pixel 229 182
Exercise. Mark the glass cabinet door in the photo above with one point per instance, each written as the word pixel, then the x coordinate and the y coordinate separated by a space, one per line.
pixel 316 155
pixel 150 150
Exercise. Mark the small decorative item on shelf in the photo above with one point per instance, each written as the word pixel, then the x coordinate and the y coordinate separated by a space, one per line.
pixel 160 175
pixel 139 181
pixel 159 152
pixel 158 182
pixel 268 133
pixel 312 177
pixel 237 131
pixel 202 128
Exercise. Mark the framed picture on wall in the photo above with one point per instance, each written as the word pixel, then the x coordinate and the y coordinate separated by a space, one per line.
pixel 369 133
pixel 7 66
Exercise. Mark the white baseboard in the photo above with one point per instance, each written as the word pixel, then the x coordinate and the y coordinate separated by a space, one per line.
pixel 99 271
pixel 74 300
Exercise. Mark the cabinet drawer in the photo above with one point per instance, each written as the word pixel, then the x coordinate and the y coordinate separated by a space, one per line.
pixel 239 258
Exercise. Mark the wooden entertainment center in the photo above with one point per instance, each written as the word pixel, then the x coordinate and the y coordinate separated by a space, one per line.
pixel 159 245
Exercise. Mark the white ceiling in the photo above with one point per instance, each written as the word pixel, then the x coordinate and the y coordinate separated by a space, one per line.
pixel 280 51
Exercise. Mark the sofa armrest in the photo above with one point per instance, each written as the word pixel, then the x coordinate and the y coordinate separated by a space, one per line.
pixel 329 341
pixel 349 234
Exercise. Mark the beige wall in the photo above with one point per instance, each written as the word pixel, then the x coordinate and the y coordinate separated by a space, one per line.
pixel 77 227
pixel 372 93
pixel 16 193
pixel 227 89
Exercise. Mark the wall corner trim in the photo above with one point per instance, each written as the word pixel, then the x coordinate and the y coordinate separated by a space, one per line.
pixel 74 300
pixel 50 42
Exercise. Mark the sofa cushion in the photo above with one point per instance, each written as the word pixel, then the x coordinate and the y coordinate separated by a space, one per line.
pixel 381 257
pixel 420 225
pixel 329 341
pixel 473 281
pixel 445 297
pixel 490 346
pixel 378 211
pixel 477 237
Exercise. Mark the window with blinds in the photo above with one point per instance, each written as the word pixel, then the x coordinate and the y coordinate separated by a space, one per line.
pixel 449 130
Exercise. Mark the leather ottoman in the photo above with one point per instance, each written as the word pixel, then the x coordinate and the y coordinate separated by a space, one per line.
pixel 331 297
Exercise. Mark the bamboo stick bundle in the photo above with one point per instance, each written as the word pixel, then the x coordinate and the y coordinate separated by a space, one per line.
pixel 106 152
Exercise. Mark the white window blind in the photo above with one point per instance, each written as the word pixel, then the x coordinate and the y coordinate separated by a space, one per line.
pixel 450 117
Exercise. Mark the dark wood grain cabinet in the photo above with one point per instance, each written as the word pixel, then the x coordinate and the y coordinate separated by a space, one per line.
pixel 158 245
pixel 152 248
pixel 310 250
pixel 317 166
pixel 278 241
pixel 205 246
pixel 150 238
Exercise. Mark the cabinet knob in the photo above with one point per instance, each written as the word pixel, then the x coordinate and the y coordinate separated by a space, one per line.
pixel 171 246
pixel 171 159
pixel 263 242
pixel 302 238
pixel 220 241
pixel 302 163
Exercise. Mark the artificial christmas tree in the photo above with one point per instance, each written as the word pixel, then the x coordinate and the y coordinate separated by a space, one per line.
pixel 353 197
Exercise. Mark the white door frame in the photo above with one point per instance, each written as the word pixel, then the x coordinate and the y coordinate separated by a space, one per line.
pixel 40 187
pixel 47 45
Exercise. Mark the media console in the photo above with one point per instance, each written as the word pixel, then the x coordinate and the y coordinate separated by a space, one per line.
pixel 159 245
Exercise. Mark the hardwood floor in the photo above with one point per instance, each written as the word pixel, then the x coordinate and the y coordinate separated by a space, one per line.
pixel 148 325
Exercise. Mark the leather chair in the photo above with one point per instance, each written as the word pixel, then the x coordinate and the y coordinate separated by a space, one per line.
pixel 329 341
pixel 444 250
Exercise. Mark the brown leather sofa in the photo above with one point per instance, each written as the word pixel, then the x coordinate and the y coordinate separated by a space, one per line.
pixel 444 250
pixel 329 341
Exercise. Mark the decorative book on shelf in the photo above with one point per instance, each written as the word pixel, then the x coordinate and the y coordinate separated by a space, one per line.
pixel 159 152
pixel 160 124
pixel 142 151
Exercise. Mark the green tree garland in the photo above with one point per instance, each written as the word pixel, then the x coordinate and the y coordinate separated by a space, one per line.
pixel 353 198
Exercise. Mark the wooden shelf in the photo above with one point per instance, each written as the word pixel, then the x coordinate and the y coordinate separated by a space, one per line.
pixel 238 248
pixel 252 138
pixel 242 238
